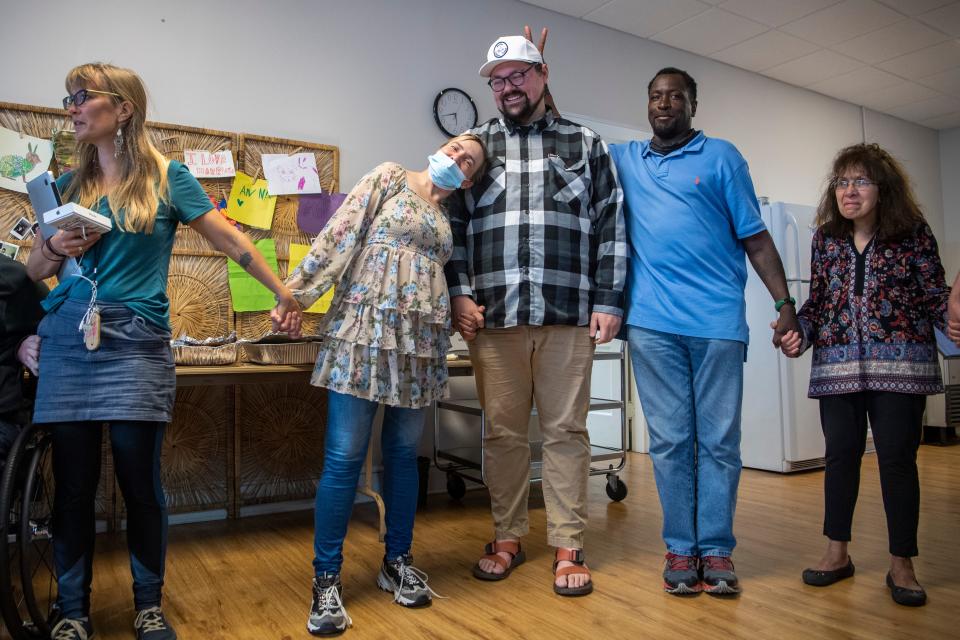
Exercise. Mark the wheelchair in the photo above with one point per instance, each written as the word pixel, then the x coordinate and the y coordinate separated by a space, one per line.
pixel 28 584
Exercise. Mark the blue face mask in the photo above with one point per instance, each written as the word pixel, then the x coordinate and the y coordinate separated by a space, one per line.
pixel 444 172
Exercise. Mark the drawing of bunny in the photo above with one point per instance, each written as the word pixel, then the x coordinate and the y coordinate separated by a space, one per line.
pixel 14 166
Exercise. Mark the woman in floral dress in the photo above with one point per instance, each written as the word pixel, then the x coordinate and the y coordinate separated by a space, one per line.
pixel 385 342
pixel 877 291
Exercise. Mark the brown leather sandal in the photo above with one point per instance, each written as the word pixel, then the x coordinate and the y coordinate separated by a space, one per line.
pixel 517 556
pixel 576 557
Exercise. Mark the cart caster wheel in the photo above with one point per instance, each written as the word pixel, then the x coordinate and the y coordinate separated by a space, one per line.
pixel 616 489
pixel 456 487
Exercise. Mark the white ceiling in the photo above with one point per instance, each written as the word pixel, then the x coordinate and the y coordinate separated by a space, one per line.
pixel 900 57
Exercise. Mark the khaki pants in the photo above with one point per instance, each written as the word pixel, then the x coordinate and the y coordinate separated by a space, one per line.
pixel 551 365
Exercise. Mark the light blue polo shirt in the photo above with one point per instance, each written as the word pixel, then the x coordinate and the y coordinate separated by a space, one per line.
pixel 131 268
pixel 686 214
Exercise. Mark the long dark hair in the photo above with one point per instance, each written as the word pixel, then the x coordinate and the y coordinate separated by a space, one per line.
pixel 898 213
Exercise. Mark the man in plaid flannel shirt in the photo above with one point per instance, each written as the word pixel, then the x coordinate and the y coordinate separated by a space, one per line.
pixel 536 280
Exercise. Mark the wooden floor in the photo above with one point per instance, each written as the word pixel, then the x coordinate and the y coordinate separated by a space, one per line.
pixel 251 579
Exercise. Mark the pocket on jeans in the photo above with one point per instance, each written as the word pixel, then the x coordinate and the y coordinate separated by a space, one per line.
pixel 135 329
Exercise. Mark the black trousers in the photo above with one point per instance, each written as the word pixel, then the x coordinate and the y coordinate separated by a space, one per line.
pixel 896 422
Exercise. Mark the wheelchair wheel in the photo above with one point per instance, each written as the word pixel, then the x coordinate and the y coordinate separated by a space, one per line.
pixel 27 577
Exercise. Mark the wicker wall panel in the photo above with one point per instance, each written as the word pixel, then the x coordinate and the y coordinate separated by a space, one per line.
pixel 281 441
pixel 172 140
pixel 194 463
pixel 39 122
pixel 284 229
pixel 200 304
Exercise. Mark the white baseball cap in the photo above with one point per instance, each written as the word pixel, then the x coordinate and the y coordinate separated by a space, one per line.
pixel 507 48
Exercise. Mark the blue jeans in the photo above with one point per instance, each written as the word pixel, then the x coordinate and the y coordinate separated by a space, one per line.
pixel 349 425
pixel 691 391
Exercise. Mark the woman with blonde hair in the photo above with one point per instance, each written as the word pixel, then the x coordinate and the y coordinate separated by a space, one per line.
pixel 105 352
pixel 385 342
pixel 877 292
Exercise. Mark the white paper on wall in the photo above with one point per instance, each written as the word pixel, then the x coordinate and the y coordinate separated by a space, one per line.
pixel 291 174
pixel 209 164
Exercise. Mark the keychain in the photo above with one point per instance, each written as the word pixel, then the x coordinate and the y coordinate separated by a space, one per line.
pixel 90 323
pixel 90 326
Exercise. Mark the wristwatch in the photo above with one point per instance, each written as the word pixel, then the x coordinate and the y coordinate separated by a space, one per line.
pixel 788 300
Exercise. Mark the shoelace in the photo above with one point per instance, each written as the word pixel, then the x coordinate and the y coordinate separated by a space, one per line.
pixel 328 599
pixel 411 576
pixel 150 620
pixel 678 563
pixel 69 629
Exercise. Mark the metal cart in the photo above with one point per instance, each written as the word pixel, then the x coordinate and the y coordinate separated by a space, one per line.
pixel 462 458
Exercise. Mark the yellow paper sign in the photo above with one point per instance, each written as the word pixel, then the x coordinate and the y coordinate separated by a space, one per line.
pixel 297 253
pixel 250 203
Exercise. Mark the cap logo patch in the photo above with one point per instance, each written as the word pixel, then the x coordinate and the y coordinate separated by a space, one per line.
pixel 500 49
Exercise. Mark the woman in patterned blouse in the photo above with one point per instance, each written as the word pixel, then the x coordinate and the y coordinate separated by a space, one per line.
pixel 877 291
pixel 385 342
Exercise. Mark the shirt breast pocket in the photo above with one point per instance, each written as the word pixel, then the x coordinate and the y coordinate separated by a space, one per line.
pixel 571 181
pixel 493 187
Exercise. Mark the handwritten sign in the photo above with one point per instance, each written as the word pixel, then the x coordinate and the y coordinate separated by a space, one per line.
pixel 297 253
pixel 209 164
pixel 291 174
pixel 250 203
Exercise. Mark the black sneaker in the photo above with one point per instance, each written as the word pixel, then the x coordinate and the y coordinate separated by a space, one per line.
pixel 328 617
pixel 718 576
pixel 72 629
pixel 681 575
pixel 409 584
pixel 152 625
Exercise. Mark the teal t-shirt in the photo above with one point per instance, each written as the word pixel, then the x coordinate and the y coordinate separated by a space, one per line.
pixel 131 268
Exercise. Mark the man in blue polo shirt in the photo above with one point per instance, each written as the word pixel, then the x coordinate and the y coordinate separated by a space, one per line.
pixel 692 217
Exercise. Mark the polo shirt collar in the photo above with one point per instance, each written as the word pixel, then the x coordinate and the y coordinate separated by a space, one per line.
pixel 696 143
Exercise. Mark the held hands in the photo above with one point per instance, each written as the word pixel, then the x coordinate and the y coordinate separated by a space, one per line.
pixel 467 316
pixel 789 342
pixel 786 323
pixel 286 316
pixel 29 353
pixel 603 327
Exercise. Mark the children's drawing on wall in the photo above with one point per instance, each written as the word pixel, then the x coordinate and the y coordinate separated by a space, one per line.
pixel 291 174
pixel 22 158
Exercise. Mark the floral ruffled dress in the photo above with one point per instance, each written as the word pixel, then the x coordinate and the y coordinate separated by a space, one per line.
pixel 386 335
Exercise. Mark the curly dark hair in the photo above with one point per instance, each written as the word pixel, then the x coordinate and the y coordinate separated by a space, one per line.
pixel 898 213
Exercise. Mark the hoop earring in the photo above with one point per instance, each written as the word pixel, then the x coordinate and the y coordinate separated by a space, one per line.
pixel 118 143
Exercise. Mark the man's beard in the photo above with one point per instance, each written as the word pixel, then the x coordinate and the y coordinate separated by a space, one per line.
pixel 523 117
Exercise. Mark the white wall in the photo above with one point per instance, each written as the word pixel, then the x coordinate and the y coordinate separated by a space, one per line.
pixel 950 178
pixel 363 75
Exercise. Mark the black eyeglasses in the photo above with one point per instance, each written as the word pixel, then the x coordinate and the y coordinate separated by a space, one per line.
pixel 81 96
pixel 517 78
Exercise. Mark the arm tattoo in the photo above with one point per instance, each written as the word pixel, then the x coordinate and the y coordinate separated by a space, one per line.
pixel 245 259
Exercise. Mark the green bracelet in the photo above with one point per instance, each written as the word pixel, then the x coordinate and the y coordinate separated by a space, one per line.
pixel 788 300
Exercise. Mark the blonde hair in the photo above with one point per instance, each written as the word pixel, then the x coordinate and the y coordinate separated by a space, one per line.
pixel 143 169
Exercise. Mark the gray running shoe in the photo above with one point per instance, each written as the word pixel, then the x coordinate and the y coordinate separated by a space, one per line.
pixel 681 575
pixel 409 584
pixel 328 617
pixel 72 629
pixel 152 625
pixel 718 576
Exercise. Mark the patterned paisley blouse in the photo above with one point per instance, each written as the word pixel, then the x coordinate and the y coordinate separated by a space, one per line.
pixel 386 335
pixel 882 340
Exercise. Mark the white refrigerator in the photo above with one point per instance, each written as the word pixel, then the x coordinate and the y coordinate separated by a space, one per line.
pixel 781 425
